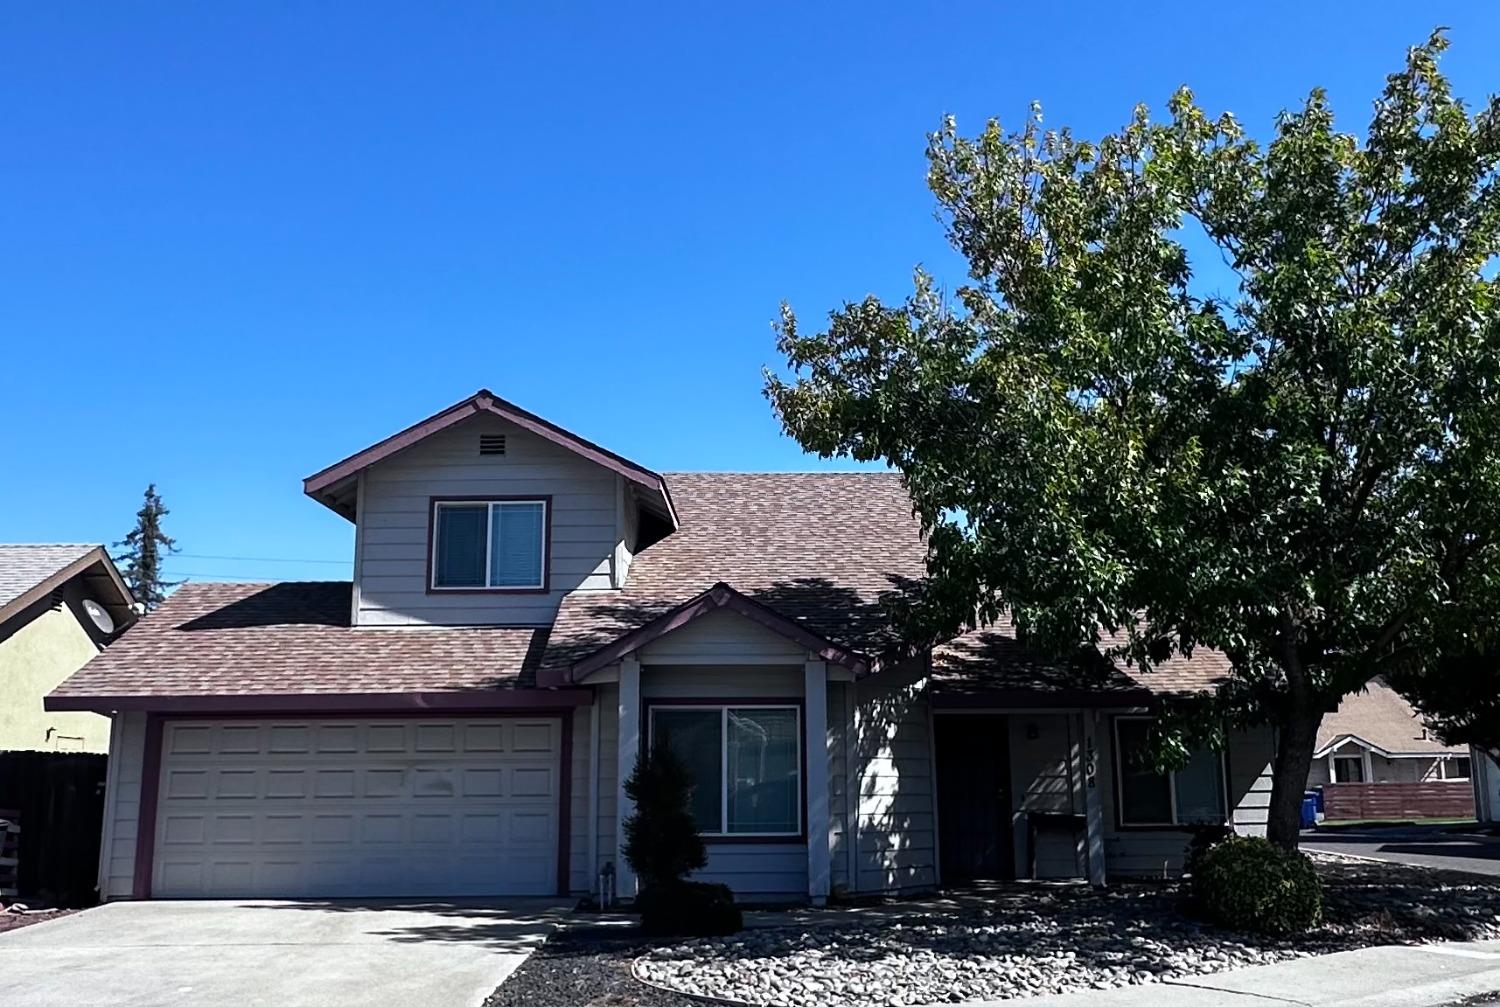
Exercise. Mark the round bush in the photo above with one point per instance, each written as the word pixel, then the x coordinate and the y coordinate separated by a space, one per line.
pixel 1246 883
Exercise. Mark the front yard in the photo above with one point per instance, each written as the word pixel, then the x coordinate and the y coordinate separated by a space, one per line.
pixel 1004 942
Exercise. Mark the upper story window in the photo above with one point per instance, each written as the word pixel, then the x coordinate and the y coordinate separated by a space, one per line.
pixel 490 545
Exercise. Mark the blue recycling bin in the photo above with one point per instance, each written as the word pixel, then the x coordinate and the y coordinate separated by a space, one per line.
pixel 1309 811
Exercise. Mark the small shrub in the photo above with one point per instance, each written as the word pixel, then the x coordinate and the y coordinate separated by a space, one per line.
pixel 1205 838
pixel 689 909
pixel 1246 883
pixel 661 841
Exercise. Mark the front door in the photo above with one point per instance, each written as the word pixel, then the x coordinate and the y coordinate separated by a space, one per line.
pixel 973 780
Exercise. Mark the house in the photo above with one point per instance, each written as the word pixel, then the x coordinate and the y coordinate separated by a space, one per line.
pixel 528 610
pixel 1376 737
pixel 59 606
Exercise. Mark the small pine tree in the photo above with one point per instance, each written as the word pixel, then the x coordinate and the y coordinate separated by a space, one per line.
pixel 143 550
pixel 662 843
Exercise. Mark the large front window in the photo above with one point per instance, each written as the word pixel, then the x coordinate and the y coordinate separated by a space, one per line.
pixel 745 762
pixel 1193 795
pixel 496 545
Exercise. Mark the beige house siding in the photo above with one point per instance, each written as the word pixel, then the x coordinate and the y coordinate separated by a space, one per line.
pixel 587 519
pixel 38 649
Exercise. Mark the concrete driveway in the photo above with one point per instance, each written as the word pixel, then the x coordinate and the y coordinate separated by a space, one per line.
pixel 331 954
pixel 1424 845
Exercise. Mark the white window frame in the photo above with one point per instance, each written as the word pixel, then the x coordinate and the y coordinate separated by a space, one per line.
pixel 1364 767
pixel 724 709
pixel 489 530
pixel 1446 761
pixel 1119 760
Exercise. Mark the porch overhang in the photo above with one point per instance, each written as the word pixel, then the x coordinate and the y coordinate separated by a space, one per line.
pixel 720 596
pixel 1037 699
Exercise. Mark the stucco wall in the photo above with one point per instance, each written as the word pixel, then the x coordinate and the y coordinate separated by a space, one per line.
pixel 38 649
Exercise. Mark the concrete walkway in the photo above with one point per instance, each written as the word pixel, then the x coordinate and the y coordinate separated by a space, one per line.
pixel 1424 975
pixel 329 954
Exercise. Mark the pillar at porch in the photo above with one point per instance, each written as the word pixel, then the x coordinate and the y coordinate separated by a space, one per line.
pixel 629 748
pixel 815 744
pixel 1093 802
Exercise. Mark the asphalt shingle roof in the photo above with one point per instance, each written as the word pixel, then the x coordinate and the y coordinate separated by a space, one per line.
pixel 820 548
pixel 992 659
pixel 1380 717
pixel 295 637
pixel 24 566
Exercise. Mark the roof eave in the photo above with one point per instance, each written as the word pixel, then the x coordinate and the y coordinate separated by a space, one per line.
pixel 719 596
pixel 325 702
pixel 123 604
pixel 325 486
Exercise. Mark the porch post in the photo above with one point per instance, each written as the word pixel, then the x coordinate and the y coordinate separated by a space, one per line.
pixel 629 748
pixel 1093 803
pixel 815 745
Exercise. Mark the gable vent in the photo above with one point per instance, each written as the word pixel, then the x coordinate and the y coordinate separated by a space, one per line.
pixel 492 444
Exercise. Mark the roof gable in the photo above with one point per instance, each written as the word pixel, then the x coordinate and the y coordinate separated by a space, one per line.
pixel 29 573
pixel 719 597
pixel 333 486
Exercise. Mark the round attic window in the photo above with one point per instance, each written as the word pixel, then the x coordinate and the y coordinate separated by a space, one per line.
pixel 98 616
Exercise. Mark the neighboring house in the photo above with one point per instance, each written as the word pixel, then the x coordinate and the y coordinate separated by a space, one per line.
pixel 1376 737
pixel 1486 786
pixel 59 606
pixel 528 611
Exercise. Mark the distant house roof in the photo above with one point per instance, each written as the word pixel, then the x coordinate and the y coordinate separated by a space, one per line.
pixel 991 662
pixel 333 486
pixel 820 549
pixel 1380 720
pixel 30 572
pixel 293 640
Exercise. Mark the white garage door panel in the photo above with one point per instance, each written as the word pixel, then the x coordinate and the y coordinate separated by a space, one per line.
pixel 358 808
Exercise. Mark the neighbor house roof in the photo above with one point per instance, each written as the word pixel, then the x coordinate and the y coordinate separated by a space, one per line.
pixel 820 550
pixel 333 486
pixel 990 661
pixel 30 572
pixel 1380 720
pixel 292 639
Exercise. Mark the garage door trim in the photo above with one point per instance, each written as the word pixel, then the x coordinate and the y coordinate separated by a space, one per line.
pixel 151 766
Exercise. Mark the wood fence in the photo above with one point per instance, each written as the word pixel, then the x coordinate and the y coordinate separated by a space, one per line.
pixel 1398 801
pixel 57 799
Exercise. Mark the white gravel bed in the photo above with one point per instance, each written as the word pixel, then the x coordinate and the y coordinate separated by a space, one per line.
pixel 1026 941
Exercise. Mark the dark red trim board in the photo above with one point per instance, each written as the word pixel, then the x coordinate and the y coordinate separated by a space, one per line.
pixel 323 704
pixel 545 499
pixel 565 808
pixel 751 701
pixel 145 834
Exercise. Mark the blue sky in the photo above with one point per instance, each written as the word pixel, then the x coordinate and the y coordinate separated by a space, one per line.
pixel 241 241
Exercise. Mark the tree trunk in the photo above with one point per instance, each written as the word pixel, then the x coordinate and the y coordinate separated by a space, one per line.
pixel 1296 740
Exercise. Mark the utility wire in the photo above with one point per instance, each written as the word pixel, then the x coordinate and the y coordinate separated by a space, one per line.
pixel 258 559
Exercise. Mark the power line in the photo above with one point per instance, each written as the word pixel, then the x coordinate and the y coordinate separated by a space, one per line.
pixel 257 559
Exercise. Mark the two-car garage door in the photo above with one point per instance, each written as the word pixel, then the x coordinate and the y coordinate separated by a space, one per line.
pixel 342 807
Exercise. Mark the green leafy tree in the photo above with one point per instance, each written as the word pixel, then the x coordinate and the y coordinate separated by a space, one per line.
pixel 1460 698
pixel 142 551
pixel 662 843
pixel 1199 392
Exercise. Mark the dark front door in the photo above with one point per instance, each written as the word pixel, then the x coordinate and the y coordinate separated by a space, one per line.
pixel 973 781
